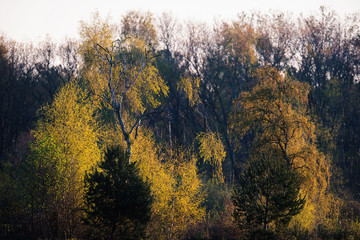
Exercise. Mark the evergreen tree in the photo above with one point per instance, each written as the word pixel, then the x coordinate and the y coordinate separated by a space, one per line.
pixel 268 192
pixel 118 201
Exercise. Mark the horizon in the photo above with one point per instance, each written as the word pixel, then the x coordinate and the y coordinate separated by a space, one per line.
pixel 58 20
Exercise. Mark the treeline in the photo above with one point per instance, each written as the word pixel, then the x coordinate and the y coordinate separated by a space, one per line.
pixel 244 129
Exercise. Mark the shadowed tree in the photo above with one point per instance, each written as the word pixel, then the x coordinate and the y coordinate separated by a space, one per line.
pixel 268 192
pixel 118 201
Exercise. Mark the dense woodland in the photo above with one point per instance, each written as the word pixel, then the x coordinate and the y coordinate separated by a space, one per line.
pixel 151 128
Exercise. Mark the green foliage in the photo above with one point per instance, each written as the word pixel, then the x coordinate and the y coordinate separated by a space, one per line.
pixel 268 192
pixel 12 205
pixel 65 147
pixel 218 197
pixel 219 221
pixel 46 163
pixel 45 185
pixel 118 202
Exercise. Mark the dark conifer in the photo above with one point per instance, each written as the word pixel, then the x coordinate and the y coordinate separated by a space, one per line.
pixel 268 192
pixel 118 201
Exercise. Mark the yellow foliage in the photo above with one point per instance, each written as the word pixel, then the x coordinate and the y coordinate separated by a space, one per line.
pixel 191 89
pixel 147 91
pixel 97 31
pixel 94 33
pixel 69 120
pixel 212 150
pixel 174 184
pixel 119 63
pixel 325 210
pixel 144 152
pixel 239 40
pixel 187 196
pixel 276 111
pixel 120 72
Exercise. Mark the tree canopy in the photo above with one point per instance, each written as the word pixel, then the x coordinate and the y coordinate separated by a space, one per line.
pixel 200 110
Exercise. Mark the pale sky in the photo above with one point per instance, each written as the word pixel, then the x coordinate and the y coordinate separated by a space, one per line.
pixel 25 20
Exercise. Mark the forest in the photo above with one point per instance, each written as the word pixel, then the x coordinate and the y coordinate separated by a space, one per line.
pixel 151 128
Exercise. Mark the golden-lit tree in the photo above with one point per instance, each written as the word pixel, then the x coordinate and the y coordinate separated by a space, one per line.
pixel 69 120
pixel 186 198
pixel 175 185
pixel 212 151
pixel 121 73
pixel 274 113
pixel 64 149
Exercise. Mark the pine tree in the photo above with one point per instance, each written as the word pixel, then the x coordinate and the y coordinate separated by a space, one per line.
pixel 268 192
pixel 118 201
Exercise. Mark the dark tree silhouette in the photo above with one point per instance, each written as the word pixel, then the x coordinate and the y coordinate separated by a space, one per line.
pixel 268 192
pixel 118 202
